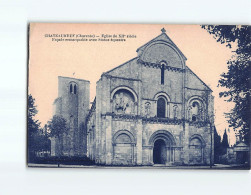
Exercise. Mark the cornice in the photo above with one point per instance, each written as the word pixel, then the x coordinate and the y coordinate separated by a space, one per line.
pixel 156 65
pixel 155 120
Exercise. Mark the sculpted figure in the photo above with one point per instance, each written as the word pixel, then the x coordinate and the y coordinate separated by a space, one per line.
pixel 148 108
pixel 121 102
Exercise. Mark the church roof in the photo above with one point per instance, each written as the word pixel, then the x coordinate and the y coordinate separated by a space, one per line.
pixel 162 37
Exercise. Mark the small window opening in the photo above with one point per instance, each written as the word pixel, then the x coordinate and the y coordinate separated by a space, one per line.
pixel 161 108
pixel 194 118
pixel 75 89
pixel 162 74
pixel 71 88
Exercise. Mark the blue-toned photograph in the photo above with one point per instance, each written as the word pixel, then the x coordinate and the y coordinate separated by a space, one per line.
pixel 139 96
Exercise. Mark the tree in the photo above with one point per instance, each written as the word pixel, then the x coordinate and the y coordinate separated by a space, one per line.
pixel 217 146
pixel 33 125
pixel 237 79
pixel 224 143
pixel 37 137
pixel 33 128
pixel 58 126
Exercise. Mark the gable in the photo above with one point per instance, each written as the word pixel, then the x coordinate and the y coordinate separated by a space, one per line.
pixel 127 70
pixel 194 82
pixel 160 51
pixel 163 38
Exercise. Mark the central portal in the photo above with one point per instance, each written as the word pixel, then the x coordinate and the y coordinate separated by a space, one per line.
pixel 159 152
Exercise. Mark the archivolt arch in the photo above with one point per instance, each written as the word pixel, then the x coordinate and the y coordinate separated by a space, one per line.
pixel 196 109
pixel 198 98
pixel 125 88
pixel 162 93
pixel 121 132
pixel 199 137
pixel 162 100
pixel 164 135
pixel 165 43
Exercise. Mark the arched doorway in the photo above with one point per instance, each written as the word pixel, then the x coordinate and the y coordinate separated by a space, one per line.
pixel 159 152
pixel 162 147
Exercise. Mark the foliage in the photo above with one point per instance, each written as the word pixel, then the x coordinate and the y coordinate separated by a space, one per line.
pixel 33 125
pixel 217 146
pixel 65 160
pixel 41 142
pixel 220 147
pixel 37 139
pixel 237 79
pixel 224 143
pixel 57 126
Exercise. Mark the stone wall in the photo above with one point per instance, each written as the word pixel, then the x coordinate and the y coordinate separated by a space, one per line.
pixel 73 106
pixel 126 104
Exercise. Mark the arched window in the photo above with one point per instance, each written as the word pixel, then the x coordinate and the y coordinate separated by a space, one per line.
pixel 196 110
pixel 75 89
pixel 163 64
pixel 161 107
pixel 71 88
pixel 162 74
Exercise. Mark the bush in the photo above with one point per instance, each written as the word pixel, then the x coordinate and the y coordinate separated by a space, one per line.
pixel 64 160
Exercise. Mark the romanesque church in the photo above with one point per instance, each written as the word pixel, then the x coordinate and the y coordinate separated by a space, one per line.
pixel 149 110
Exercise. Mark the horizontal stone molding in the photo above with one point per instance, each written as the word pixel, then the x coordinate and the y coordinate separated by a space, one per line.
pixel 173 147
pixel 162 120
pixel 123 78
pixel 155 120
pixel 156 65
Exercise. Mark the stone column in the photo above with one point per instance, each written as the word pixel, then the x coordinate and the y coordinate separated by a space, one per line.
pixel 88 144
pixel 139 129
pixel 185 153
pixel 151 155
pixel 133 159
pixel 108 139
pixel 202 155
pixel 168 155
pixel 173 151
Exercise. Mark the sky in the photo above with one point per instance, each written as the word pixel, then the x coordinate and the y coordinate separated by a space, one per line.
pixel 89 59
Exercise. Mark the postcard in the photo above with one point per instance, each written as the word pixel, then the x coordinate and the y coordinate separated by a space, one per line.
pixel 138 96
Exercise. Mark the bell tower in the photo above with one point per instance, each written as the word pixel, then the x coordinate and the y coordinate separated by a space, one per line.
pixel 73 105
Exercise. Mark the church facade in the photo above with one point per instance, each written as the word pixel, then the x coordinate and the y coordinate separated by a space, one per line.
pixel 150 110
